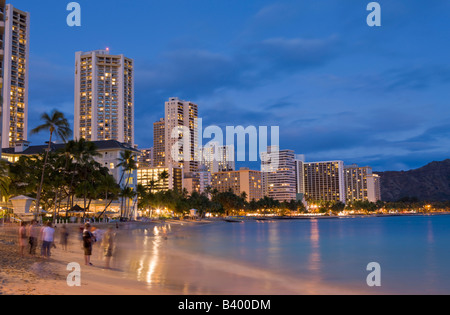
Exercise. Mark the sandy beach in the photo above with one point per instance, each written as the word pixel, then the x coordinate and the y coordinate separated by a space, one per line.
pixel 167 271
pixel 33 275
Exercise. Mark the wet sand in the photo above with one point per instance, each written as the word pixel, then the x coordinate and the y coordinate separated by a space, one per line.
pixel 34 275
pixel 173 271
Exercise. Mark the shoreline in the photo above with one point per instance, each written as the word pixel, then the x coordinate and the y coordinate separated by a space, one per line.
pixel 33 275
pixel 324 217
pixel 37 276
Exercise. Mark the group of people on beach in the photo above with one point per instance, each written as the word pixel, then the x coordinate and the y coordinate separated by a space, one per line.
pixel 32 235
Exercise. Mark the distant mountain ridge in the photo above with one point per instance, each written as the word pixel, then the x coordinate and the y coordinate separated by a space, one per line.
pixel 428 183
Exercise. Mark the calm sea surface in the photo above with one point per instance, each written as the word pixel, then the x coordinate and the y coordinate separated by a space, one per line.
pixel 325 256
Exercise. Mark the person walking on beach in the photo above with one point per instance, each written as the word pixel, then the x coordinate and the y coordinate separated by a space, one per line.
pixel 88 241
pixel 33 233
pixel 22 238
pixel 108 245
pixel 64 237
pixel 48 234
pixel 81 229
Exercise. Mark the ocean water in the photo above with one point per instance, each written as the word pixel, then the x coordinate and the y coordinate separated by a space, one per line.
pixel 324 256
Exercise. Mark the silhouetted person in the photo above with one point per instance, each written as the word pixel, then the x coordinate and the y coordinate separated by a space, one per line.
pixel 33 234
pixel 22 238
pixel 108 246
pixel 64 237
pixel 48 234
pixel 88 241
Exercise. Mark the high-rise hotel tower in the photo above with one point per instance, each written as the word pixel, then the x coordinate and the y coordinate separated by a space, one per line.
pixel 279 174
pixel 159 143
pixel 324 181
pixel 2 56
pixel 181 135
pixel 15 50
pixel 104 97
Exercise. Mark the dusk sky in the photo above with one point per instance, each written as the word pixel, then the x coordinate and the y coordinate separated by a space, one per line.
pixel 338 89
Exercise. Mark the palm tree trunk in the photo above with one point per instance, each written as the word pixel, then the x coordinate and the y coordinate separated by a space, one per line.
pixel 135 203
pixel 106 203
pixel 71 193
pixel 56 206
pixel 84 215
pixel 121 198
pixel 106 206
pixel 38 197
pixel 59 201
pixel 122 210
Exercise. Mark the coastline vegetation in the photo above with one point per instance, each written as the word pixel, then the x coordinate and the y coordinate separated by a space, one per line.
pixel 60 179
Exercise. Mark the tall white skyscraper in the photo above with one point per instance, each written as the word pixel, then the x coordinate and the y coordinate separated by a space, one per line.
pixel 279 174
pixel 181 135
pixel 299 174
pixel 374 187
pixel 218 158
pixel 15 62
pixel 2 55
pixel 104 97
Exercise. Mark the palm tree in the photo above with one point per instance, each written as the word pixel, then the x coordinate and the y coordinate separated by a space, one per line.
pixel 128 163
pixel 24 175
pixel 127 193
pixel 164 176
pixel 83 152
pixel 5 181
pixel 141 194
pixel 55 180
pixel 110 189
pixel 57 125
pixel 151 186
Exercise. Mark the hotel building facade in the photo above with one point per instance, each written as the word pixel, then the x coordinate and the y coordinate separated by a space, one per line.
pixel 374 188
pixel 356 183
pixel 181 135
pixel 244 180
pixel 150 177
pixel 104 97
pixel 2 56
pixel 279 174
pixel 198 181
pixel 324 181
pixel 218 158
pixel 159 143
pixel 146 158
pixel 15 31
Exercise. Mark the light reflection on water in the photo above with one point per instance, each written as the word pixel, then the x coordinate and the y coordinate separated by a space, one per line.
pixel 314 258
pixel 292 257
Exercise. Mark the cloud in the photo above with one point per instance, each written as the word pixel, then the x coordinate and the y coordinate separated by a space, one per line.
pixel 295 54
pixel 270 17
pixel 336 136
pixel 399 79
pixel 188 72
pixel 198 72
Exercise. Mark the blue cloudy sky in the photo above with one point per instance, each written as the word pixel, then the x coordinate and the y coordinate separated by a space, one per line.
pixel 337 88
